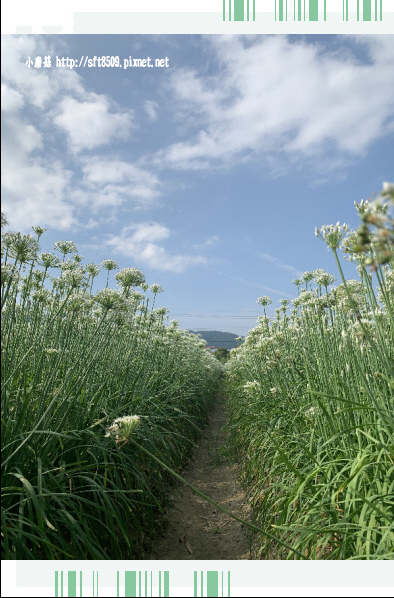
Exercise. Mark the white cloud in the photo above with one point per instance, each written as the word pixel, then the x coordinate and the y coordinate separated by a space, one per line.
pixel 139 242
pixel 277 262
pixel 36 197
pixel 151 109
pixel 209 242
pixel 38 86
pixel 20 138
pixel 38 187
pixel 104 171
pixel 148 232
pixel 90 124
pixel 88 119
pixel 11 100
pixel 109 182
pixel 33 189
pixel 34 83
pixel 254 284
pixel 277 96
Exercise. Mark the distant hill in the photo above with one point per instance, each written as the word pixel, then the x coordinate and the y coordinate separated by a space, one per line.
pixel 216 338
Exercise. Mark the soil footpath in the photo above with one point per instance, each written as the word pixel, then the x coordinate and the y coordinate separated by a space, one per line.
pixel 196 529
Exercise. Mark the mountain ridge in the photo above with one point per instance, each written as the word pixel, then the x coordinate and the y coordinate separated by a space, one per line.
pixel 217 338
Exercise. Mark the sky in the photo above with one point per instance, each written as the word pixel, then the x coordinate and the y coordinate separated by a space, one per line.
pixel 209 175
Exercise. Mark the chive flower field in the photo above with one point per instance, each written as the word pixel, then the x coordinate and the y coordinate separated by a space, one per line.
pixel 90 382
pixel 103 401
pixel 311 396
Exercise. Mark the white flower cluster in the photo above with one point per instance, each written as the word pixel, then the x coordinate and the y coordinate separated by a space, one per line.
pixel 332 234
pixel 108 299
pixel 122 428
pixel 50 351
pixel 109 265
pixel 311 412
pixel 252 388
pixel 48 260
pixel 304 297
pixel 156 288
pixel 130 277
pixel 264 301
pixel 65 247
pixel 323 278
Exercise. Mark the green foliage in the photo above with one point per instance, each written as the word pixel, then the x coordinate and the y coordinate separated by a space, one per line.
pixel 222 354
pixel 91 386
pixel 312 402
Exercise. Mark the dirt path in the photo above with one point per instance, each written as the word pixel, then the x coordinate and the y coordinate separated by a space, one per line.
pixel 196 529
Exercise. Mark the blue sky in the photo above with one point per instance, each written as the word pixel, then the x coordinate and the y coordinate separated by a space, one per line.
pixel 209 175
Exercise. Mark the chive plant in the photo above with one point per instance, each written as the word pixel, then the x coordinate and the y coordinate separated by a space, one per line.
pixel 311 396
pixel 81 373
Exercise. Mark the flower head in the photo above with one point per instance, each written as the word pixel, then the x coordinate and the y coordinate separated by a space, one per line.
pixel 48 260
pixel 130 277
pixel 310 413
pixel 73 277
pixel 332 234
pixel 39 230
pixel 93 270
pixel 252 388
pixel 122 428
pixel 51 352
pixel 65 247
pixel 23 247
pixel 4 220
pixel 323 278
pixel 108 299
pixel 264 301
pixel 156 288
pixel 43 296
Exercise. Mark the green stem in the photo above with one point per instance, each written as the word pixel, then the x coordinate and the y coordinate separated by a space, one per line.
pixel 357 314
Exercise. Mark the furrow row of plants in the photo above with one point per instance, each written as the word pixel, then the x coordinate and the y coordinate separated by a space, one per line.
pixel 83 374
pixel 311 395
